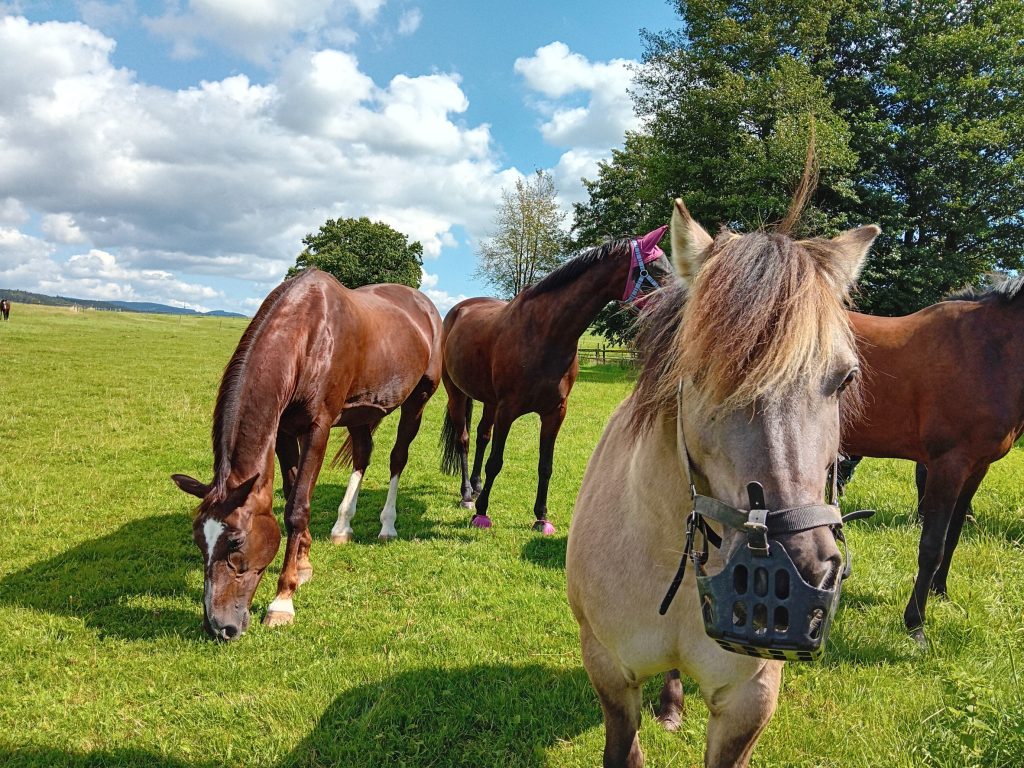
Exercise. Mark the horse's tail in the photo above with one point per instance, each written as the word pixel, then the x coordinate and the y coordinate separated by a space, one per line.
pixel 343 458
pixel 451 450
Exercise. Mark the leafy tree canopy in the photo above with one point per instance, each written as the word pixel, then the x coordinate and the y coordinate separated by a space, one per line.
pixel 527 240
pixel 919 114
pixel 360 252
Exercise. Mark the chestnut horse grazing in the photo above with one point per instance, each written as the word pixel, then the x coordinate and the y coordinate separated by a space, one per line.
pixel 943 387
pixel 519 357
pixel 745 361
pixel 317 355
pixel 5 308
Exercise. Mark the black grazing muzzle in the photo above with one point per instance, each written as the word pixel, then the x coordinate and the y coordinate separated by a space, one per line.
pixel 759 604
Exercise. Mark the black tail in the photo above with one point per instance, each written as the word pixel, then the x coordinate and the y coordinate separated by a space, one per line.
pixel 451 451
pixel 343 457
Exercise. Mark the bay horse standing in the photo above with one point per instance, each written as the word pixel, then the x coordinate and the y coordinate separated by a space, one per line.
pixel 943 387
pixel 519 357
pixel 745 362
pixel 316 355
pixel 5 308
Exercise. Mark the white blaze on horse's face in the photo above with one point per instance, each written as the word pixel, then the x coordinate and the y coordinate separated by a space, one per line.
pixel 212 531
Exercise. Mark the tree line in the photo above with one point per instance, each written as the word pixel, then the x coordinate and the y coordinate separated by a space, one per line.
pixel 918 112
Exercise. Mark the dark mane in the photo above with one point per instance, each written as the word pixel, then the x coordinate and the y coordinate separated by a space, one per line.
pixel 1007 290
pixel 575 267
pixel 225 413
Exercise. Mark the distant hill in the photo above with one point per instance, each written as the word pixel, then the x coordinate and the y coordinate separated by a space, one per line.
pixel 26 297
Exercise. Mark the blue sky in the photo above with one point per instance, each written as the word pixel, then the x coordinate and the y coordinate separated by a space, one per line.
pixel 178 151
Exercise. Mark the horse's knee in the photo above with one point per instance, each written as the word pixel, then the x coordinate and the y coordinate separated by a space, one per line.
pixel 739 713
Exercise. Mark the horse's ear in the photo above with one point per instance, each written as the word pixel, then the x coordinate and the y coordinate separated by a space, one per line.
pixel 851 249
pixel 690 243
pixel 191 485
pixel 241 492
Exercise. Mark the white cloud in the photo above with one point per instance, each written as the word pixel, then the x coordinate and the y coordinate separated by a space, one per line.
pixel 409 21
pixel 586 109
pixel 442 299
pixel 261 30
pixel 61 228
pixel 224 178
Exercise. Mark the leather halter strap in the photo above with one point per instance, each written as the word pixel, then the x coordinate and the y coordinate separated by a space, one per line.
pixel 644 276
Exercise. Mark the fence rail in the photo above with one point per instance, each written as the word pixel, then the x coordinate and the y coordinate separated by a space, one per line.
pixel 602 355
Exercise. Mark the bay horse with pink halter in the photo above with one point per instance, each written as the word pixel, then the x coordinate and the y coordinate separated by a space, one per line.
pixel 729 434
pixel 943 387
pixel 519 357
pixel 316 355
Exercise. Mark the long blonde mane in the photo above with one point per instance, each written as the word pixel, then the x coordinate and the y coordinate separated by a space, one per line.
pixel 764 313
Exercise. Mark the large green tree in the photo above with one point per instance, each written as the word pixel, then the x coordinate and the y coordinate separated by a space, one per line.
pixel 920 128
pixel 360 252
pixel 527 240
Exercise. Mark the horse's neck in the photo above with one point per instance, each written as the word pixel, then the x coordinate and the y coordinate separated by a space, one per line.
pixel 564 313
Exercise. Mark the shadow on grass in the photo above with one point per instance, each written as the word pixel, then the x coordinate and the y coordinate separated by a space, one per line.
pixel 477 716
pixel 548 551
pixel 608 374
pixel 412 521
pixel 93 580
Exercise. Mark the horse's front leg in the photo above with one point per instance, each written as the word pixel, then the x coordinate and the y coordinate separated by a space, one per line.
pixel 361 438
pixel 739 713
pixel 287 450
pixel 550 423
pixel 502 423
pixel 670 710
pixel 296 520
pixel 956 525
pixel 945 481
pixel 621 701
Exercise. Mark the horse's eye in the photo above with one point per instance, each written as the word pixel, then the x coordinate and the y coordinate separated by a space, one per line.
pixel 848 380
pixel 235 543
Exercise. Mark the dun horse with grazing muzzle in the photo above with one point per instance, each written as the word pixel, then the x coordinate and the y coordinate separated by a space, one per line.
pixel 735 420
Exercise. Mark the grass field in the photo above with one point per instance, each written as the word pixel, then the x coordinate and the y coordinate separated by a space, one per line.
pixel 450 646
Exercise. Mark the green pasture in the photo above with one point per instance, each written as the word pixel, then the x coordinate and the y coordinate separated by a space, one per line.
pixel 448 647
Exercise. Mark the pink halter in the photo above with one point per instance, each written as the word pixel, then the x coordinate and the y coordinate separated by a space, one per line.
pixel 645 250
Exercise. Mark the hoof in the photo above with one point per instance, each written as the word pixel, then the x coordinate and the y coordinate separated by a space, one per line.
pixel 917 635
pixel 278 619
pixel 341 538
pixel 480 521
pixel 305 574
pixel 467 504
pixel 386 537
pixel 670 721
pixel 544 527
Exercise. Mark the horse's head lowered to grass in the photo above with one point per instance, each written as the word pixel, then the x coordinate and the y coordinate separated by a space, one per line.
pixel 238 540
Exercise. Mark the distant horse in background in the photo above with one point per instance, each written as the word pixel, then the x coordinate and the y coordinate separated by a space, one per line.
pixel 519 357
pixel 5 308
pixel 943 387
pixel 317 355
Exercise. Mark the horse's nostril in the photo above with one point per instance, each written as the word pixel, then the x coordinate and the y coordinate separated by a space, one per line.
pixel 230 631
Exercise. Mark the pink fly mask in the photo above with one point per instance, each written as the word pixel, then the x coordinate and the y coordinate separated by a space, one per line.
pixel 644 250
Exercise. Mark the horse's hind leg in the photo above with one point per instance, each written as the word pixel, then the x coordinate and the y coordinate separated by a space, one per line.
pixel 550 423
pixel 483 437
pixel 361 437
pixel 956 524
pixel 621 701
pixel 455 437
pixel 739 713
pixel 670 710
pixel 408 426
pixel 296 521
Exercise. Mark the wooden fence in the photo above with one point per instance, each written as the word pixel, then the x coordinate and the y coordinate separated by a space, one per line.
pixel 602 355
